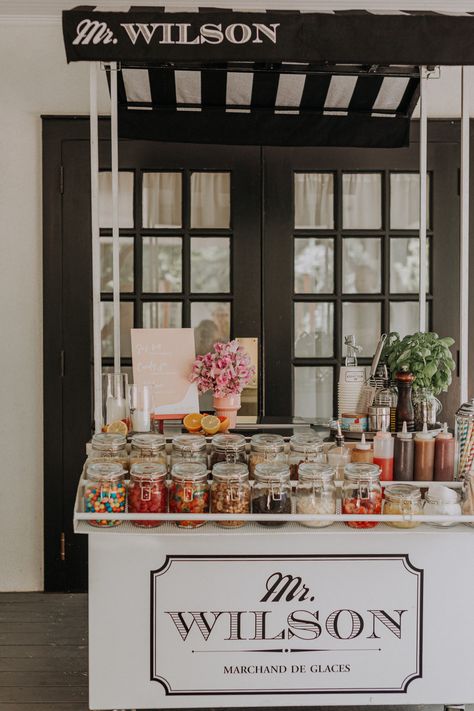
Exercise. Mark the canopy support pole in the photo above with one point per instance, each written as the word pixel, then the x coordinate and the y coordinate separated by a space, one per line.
pixel 464 247
pixel 115 213
pixel 96 316
pixel 422 229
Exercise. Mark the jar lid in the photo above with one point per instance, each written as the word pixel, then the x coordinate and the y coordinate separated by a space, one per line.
pixel 266 442
pixel 228 441
pixel 309 471
pixel 402 491
pixel 272 472
pixel 186 471
pixel 104 471
pixel 228 471
pixel 148 470
pixel 357 470
pixel 149 441
pixel 306 442
pixel 191 442
pixel 466 409
pixel 106 442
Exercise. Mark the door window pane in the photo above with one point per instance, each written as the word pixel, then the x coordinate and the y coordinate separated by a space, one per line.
pixel 125 199
pixel 313 388
pixel 107 328
pixel 362 319
pixel 126 264
pixel 162 264
pixel 314 266
pixel 362 201
pixel 404 317
pixel 162 200
pixel 210 200
pixel 211 323
pixel 162 314
pixel 210 265
pixel 405 201
pixel 361 265
pixel 404 265
pixel 314 201
pixel 314 330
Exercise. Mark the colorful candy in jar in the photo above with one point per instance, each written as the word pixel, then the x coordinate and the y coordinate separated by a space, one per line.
pixel 104 492
pixel 362 493
pixel 147 492
pixel 189 492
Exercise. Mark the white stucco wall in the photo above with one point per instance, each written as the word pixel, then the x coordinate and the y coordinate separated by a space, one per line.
pixel 35 80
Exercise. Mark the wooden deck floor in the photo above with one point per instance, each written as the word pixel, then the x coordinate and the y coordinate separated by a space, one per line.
pixel 43 655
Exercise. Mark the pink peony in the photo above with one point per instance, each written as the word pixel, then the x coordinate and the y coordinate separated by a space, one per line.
pixel 226 370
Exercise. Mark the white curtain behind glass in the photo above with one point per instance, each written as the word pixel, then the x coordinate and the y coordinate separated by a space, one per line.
pixel 210 200
pixel 314 201
pixel 161 201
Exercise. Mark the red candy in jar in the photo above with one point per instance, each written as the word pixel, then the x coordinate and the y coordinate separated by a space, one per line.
pixel 147 492
pixel 362 493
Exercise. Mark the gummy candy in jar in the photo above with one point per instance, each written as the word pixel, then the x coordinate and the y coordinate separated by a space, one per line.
pixel 104 492
pixel 147 492
pixel 189 492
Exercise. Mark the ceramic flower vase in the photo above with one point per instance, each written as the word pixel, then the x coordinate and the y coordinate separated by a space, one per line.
pixel 227 407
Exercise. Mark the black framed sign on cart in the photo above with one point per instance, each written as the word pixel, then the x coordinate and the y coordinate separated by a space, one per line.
pixel 290 615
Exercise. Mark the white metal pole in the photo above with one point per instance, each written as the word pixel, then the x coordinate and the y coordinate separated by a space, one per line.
pixel 464 247
pixel 97 340
pixel 422 231
pixel 115 214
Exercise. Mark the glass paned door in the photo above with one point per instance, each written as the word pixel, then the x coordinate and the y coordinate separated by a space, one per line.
pixel 348 255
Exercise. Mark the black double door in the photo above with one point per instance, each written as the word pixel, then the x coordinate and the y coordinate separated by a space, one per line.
pixel 294 247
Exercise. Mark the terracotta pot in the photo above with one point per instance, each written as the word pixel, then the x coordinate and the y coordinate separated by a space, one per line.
pixel 227 407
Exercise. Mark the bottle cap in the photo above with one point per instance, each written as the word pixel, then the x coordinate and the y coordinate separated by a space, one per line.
pixel 383 434
pixel 339 435
pixel 425 435
pixel 445 434
pixel 404 434
pixel 363 444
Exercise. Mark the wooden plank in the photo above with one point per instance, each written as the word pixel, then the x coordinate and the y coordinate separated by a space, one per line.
pixel 39 679
pixel 43 598
pixel 50 616
pixel 42 638
pixel 43 651
pixel 46 694
pixel 45 664
pixel 71 706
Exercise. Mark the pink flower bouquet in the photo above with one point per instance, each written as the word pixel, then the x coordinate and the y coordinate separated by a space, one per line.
pixel 226 370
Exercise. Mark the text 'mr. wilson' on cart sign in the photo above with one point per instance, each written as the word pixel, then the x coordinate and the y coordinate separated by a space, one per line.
pixel 286 624
pixel 163 358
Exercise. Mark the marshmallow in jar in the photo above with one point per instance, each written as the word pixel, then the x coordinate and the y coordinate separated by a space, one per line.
pixel 441 500
pixel 316 492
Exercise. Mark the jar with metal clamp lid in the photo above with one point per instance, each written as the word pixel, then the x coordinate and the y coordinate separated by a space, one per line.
pixel 189 491
pixel 362 493
pixel 104 491
pixel 304 447
pixel 109 447
pixel 230 491
pixel 228 448
pixel 189 448
pixel 148 448
pixel 271 492
pixel 147 492
pixel 316 492
pixel 401 499
pixel 266 448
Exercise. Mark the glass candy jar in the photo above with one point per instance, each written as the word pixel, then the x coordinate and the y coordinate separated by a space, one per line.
pixel 402 499
pixel 362 493
pixel 147 492
pixel 230 491
pixel 104 491
pixel 304 448
pixel 316 492
pixel 265 448
pixel 111 447
pixel 271 493
pixel 189 448
pixel 148 448
pixel 464 434
pixel 228 448
pixel 442 501
pixel 189 491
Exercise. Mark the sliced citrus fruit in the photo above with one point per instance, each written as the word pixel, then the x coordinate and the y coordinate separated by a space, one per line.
pixel 118 427
pixel 224 423
pixel 192 422
pixel 210 424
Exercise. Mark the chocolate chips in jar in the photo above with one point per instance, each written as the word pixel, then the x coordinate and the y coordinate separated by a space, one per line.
pixel 304 447
pixel 271 493
pixel 230 491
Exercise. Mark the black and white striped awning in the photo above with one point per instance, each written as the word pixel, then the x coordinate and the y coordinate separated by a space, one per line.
pixel 348 78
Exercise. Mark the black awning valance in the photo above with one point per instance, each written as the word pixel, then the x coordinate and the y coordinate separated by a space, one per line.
pixel 150 36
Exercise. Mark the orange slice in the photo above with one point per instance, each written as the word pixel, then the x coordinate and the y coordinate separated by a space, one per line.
pixel 192 422
pixel 118 427
pixel 210 424
pixel 224 424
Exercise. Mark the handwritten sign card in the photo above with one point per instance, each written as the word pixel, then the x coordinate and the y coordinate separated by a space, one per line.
pixel 162 358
